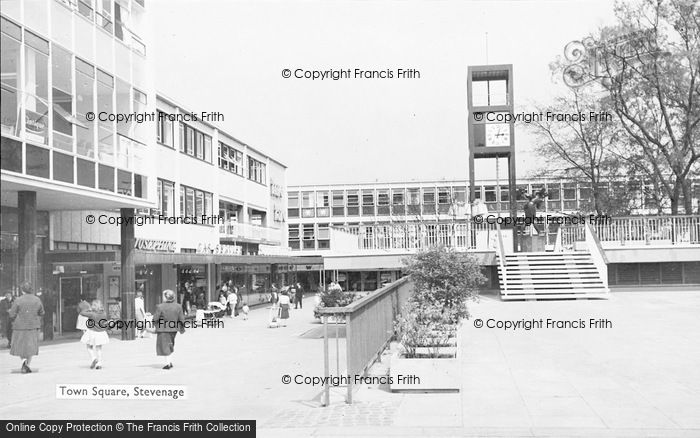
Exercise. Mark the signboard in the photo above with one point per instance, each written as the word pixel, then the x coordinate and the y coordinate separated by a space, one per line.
pixel 219 249
pixel 276 190
pixel 154 245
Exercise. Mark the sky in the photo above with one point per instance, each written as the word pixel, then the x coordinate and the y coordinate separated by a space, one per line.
pixel 228 56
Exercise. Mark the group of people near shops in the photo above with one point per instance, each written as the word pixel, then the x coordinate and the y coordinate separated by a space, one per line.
pixel 281 301
pixel 230 297
pixel 26 311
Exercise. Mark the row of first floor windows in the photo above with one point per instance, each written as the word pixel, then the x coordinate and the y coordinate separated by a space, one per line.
pixel 192 202
pixel 197 144
pixel 38 161
pixel 452 200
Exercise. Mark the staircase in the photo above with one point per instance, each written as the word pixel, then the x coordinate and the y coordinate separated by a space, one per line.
pixel 550 275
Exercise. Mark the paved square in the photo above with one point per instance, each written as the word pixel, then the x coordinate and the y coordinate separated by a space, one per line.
pixel 640 377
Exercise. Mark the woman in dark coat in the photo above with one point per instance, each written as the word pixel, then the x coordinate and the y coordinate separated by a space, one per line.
pixel 168 320
pixel 27 311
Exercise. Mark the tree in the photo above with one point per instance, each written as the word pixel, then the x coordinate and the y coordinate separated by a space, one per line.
pixel 444 277
pixel 579 147
pixel 649 64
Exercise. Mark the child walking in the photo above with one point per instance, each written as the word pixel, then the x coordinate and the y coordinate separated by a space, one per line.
pixel 95 336
pixel 245 310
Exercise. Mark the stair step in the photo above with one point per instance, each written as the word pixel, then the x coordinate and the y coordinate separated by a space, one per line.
pixel 544 281
pixel 546 255
pixel 559 274
pixel 554 291
pixel 553 263
pixel 604 295
pixel 548 271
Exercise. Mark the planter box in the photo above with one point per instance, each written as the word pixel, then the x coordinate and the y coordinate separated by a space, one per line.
pixel 424 374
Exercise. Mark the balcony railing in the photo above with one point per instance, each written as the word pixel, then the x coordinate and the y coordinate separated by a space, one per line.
pixel 238 230
pixel 464 236
pixel 640 231
pixel 415 237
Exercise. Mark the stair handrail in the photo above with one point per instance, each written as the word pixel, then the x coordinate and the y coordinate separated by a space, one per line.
pixel 557 241
pixel 600 260
pixel 501 256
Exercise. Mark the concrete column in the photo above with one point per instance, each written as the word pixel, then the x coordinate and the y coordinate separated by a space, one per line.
pixel 28 268
pixel 128 273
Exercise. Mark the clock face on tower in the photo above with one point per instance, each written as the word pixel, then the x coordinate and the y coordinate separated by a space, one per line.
pixel 497 134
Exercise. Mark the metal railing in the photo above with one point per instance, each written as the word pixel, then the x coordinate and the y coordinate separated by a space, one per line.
pixel 600 260
pixel 421 236
pixel 237 230
pixel 640 230
pixel 369 326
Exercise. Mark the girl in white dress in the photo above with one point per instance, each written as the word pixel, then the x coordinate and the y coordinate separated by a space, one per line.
pixel 96 334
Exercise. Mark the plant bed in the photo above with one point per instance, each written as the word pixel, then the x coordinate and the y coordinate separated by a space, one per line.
pixel 427 329
pixel 424 374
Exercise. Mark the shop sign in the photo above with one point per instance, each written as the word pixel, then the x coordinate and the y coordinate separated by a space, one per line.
pixel 310 267
pixel 233 268
pixel 219 249
pixel 155 245
pixel 277 214
pixel 35 125
pixel 276 190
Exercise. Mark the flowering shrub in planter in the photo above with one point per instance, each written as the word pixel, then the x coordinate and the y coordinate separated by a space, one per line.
pixel 444 281
pixel 335 298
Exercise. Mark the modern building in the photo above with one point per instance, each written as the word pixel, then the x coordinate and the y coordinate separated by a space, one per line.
pixel 363 231
pixel 63 62
pixel 195 203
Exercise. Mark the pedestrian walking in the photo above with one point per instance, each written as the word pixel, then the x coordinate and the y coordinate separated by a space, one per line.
pixel 5 323
pixel 232 300
pixel 26 311
pixel 245 309
pixel 284 306
pixel 298 296
pixel 169 318
pixel 140 312
pixel 96 334
pixel 81 320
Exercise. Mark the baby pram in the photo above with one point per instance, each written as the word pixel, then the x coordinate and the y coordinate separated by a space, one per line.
pixel 214 310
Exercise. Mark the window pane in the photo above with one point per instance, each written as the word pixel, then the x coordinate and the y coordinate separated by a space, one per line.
pixel 11 153
pixel 123 152
pixel 106 178
pixel 62 167
pixel 293 200
pixel 190 140
pixel 208 204
pixel 86 173
pixel 61 69
pixel 199 206
pixel 199 146
pixel 124 182
pixel 36 68
pixel 37 161
pixel 123 105
pixel 189 202
pixel 85 78
pixel 10 61
pixel 36 120
pixel 9 111
pixel 207 148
